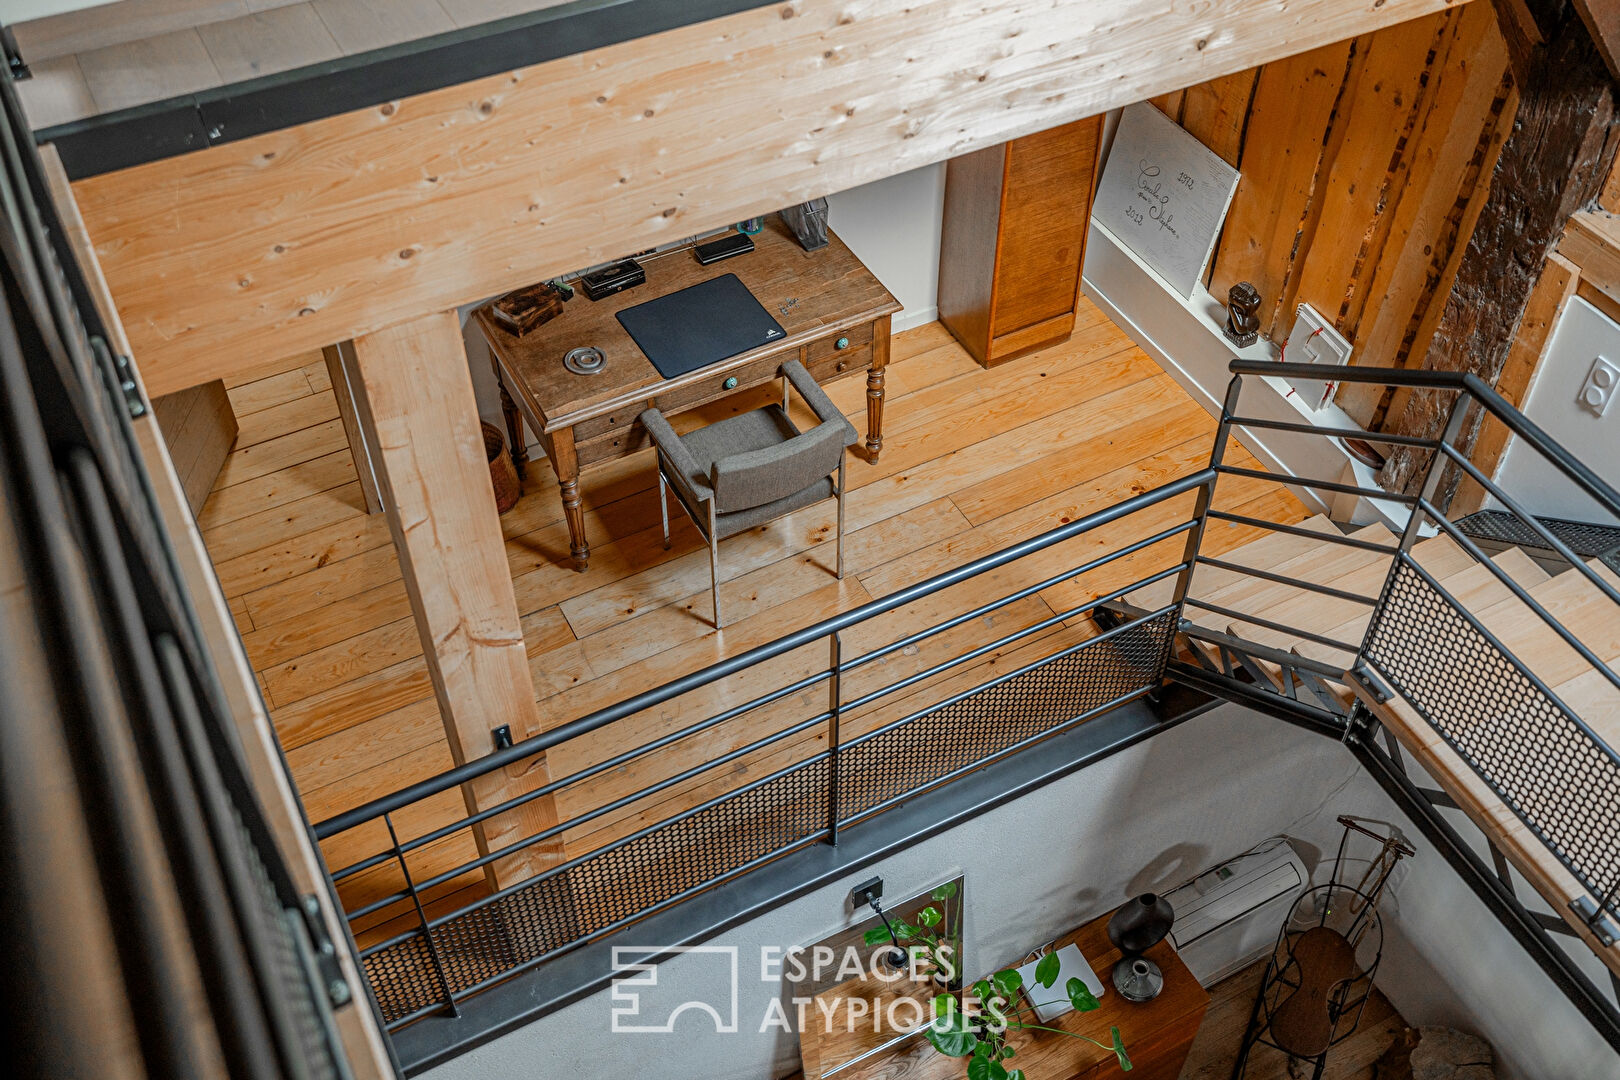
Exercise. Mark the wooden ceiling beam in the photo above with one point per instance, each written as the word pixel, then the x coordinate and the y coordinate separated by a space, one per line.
pixel 243 253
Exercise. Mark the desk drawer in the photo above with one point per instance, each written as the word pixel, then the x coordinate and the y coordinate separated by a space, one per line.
pixel 710 387
pixel 619 420
pixel 858 343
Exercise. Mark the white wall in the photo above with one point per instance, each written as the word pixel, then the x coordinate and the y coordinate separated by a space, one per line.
pixel 893 225
pixel 1583 332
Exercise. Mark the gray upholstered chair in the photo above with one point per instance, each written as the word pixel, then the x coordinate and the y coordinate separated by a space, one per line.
pixel 751 469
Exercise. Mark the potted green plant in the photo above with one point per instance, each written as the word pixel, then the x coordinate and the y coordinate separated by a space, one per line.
pixel 982 1038
pixel 933 942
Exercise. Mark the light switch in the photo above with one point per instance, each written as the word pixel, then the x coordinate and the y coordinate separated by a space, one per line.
pixel 1600 386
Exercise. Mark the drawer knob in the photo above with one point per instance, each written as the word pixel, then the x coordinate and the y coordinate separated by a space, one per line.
pixel 729 384
pixel 841 343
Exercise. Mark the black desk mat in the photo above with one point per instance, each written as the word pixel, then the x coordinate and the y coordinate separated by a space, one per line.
pixel 700 325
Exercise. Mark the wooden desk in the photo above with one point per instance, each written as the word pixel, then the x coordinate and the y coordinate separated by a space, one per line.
pixel 835 312
pixel 1158 1033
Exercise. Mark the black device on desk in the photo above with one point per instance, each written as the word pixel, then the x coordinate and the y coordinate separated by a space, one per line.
pixel 613 279
pixel 724 248
pixel 700 325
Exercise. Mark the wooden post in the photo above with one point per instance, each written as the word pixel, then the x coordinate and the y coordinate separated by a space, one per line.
pixel 340 370
pixel 414 397
pixel 1553 163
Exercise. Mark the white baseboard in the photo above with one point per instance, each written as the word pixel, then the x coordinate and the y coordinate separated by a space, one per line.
pixel 909 319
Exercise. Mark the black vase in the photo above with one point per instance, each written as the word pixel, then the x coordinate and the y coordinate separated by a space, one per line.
pixel 1135 928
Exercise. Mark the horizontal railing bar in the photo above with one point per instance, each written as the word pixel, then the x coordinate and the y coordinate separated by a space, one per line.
pixel 1334 537
pixel 1293 631
pixel 999 679
pixel 564 867
pixel 1564 633
pixel 1334 432
pixel 1524 669
pixel 987 759
pixel 1540 530
pixel 626 800
pixel 1056 579
pixel 363 865
pixel 619 759
pixel 1325 485
pixel 1264 652
pixel 1283 579
pixel 612 713
pixel 972 654
pixel 1487 397
pixel 1417 377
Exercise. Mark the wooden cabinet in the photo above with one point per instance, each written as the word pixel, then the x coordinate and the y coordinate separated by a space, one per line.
pixel 1014 237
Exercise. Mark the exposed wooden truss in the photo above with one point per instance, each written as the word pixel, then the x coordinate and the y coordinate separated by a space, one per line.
pixel 230 257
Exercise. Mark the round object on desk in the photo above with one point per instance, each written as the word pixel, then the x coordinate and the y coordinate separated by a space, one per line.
pixel 585 360
pixel 1138 979
pixel 1141 923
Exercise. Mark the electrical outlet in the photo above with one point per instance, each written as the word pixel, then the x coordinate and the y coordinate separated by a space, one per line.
pixel 1313 340
pixel 1600 386
pixel 865 893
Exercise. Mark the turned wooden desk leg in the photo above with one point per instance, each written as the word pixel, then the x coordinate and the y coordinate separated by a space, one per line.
pixel 566 462
pixel 874 389
pixel 514 424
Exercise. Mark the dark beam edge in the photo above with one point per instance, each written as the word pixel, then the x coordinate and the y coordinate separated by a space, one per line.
pixel 162 129
pixel 582 972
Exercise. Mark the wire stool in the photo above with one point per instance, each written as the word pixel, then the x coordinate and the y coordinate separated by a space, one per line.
pixel 1321 970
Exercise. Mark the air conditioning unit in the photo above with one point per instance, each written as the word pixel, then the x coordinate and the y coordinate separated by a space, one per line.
pixel 1228 916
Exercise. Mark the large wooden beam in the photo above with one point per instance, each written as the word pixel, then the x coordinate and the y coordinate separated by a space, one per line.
pixel 249 251
pixel 1554 162
pixel 415 401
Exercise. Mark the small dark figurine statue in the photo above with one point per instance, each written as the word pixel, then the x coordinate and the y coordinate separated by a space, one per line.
pixel 1242 315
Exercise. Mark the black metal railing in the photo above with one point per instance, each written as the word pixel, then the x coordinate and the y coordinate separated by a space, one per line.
pixel 1534 751
pixel 881 736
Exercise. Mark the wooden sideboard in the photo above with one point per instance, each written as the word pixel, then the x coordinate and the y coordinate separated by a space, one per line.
pixel 1158 1034
pixel 834 310
pixel 1013 240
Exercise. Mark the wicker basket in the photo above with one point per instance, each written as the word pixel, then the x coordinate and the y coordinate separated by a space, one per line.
pixel 502 473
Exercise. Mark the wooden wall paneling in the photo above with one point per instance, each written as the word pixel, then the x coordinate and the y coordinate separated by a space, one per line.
pixel 229 257
pixel 1170 104
pixel 415 401
pixel 368 1056
pixel 1216 113
pixel 200 428
pixel 1383 106
pixel 1294 105
pixel 1557 283
pixel 1446 163
pixel 1554 162
pixel 340 370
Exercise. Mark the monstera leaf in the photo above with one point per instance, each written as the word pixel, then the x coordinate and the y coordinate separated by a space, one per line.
pixel 1080 996
pixel 950 1033
pixel 1046 972
pixel 1119 1050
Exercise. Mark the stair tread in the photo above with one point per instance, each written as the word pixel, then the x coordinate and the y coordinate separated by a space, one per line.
pixel 1473 585
pixel 1322 564
pixel 1318 614
pixel 1273 546
pixel 1578 605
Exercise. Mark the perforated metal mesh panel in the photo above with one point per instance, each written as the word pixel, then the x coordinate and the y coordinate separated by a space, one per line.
pixel 1582 537
pixel 990 720
pixel 538 918
pixel 1564 785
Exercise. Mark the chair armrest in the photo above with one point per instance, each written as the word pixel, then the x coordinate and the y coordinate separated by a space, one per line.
pixel 684 467
pixel 815 397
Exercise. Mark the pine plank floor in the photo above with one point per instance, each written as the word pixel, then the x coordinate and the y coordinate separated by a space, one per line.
pixel 973 461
